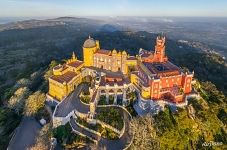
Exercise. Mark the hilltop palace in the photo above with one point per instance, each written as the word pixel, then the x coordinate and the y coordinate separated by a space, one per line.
pixel 150 74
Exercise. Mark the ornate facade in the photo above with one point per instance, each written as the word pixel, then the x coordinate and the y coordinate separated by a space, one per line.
pixel 154 76
pixel 106 59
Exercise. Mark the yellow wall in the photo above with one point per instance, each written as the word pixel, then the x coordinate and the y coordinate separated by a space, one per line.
pixel 145 92
pixel 131 62
pixel 133 78
pixel 76 70
pixel 59 91
pixel 88 56
pixel 97 44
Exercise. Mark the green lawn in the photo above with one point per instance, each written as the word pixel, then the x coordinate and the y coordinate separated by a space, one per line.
pixel 105 132
pixel 85 99
pixel 102 100
pixel 111 100
pixel 112 117
pixel 109 134
pixel 131 110
pixel 68 139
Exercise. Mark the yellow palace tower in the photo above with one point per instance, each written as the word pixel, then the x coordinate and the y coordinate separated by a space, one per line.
pixel 89 48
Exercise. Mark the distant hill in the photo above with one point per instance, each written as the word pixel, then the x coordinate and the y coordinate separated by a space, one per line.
pixel 62 21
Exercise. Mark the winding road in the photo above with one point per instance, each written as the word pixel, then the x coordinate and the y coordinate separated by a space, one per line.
pixel 73 102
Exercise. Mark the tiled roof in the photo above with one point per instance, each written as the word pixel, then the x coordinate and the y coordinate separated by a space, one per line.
pixel 111 83
pixel 103 51
pixel 67 77
pixel 75 64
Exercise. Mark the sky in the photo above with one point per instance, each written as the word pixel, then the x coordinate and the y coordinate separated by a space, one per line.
pixel 160 8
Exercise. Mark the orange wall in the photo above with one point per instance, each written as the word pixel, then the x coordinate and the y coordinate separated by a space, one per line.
pixel 171 81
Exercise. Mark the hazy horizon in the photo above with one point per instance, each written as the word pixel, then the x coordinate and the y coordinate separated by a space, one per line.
pixel 4 20
pixel 164 8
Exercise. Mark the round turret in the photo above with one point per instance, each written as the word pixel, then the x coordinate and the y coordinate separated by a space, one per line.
pixel 89 43
pixel 57 69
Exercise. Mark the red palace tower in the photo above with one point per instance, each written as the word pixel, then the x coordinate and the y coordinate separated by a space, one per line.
pixel 159 79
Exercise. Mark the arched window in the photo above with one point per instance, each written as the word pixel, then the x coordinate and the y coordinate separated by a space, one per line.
pixel 103 91
pixel 111 91
pixel 119 91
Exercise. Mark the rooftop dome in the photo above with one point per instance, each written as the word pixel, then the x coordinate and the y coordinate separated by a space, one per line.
pixel 89 43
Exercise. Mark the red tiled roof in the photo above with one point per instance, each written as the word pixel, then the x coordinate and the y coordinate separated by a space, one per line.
pixel 111 83
pixel 67 77
pixel 75 64
pixel 103 51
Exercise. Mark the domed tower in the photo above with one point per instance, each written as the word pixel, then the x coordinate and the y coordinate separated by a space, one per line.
pixel 89 48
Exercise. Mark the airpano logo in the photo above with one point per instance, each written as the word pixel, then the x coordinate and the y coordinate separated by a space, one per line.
pixel 211 143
